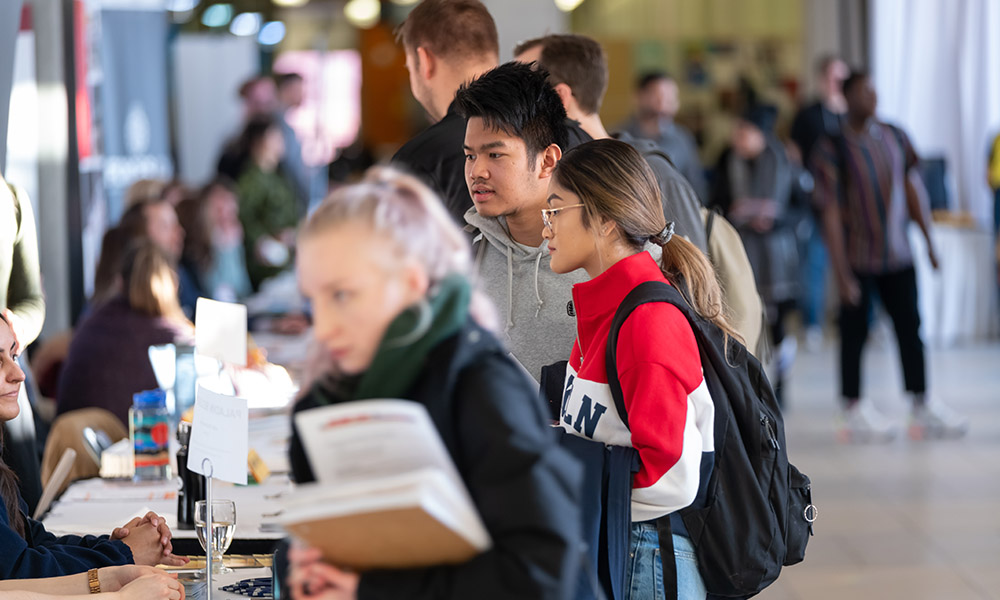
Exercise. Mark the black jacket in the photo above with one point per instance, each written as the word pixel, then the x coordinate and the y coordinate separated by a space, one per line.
pixel 525 486
pixel 436 156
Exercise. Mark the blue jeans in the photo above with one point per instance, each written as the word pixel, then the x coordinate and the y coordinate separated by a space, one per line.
pixel 814 266
pixel 644 580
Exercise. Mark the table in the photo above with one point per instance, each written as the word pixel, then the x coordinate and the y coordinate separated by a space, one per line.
pixel 958 303
pixel 96 506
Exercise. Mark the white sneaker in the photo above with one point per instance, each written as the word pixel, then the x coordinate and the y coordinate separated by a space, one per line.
pixel 936 420
pixel 862 422
pixel 786 354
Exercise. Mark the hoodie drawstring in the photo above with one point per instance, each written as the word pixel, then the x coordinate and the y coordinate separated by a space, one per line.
pixel 510 292
pixel 538 294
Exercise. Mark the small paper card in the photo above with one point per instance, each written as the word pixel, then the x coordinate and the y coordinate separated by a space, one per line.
pixel 219 432
pixel 220 331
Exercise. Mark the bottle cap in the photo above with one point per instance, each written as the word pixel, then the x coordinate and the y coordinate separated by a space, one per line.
pixel 149 399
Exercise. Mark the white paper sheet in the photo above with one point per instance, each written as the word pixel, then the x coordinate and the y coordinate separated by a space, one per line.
pixel 220 433
pixel 363 440
pixel 220 331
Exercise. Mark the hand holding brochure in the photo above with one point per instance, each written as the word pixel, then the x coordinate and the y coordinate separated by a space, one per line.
pixel 387 493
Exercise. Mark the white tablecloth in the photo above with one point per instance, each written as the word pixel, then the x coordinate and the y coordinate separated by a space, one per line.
pixel 958 303
pixel 96 506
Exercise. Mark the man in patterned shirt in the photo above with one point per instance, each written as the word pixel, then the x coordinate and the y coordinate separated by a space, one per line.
pixel 867 191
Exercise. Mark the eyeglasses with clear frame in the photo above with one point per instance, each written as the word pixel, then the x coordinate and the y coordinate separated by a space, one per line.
pixel 548 213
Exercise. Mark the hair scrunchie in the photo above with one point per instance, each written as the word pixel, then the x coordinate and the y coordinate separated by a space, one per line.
pixel 664 236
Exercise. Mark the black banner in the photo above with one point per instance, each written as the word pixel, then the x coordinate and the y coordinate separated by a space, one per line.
pixel 134 113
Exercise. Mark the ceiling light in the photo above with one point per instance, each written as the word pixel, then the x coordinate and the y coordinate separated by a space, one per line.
pixel 182 5
pixel 404 2
pixel 363 13
pixel 290 3
pixel 217 15
pixel 271 33
pixel 245 24
pixel 568 5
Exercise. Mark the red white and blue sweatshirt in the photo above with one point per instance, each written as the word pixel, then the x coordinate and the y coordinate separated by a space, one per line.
pixel 669 407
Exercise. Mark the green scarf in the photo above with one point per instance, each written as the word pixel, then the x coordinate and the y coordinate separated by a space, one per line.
pixel 402 354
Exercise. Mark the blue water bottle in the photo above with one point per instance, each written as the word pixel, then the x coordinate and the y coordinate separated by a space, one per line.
pixel 151 435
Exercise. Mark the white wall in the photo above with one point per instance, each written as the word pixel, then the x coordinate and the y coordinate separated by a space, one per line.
pixel 520 20
pixel 208 70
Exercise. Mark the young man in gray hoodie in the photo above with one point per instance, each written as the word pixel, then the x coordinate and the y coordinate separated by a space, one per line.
pixel 515 135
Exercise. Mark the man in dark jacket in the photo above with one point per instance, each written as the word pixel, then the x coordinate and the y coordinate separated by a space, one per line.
pixel 447 43
pixel 578 71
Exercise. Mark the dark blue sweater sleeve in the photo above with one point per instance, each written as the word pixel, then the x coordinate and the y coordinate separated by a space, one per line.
pixel 41 554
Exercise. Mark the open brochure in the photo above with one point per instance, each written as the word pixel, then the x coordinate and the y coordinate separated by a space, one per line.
pixel 387 494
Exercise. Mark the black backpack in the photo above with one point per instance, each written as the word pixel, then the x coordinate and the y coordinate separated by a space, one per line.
pixel 755 514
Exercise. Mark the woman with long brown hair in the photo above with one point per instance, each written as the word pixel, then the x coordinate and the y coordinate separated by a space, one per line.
pixel 604 208
pixel 26 549
pixel 108 357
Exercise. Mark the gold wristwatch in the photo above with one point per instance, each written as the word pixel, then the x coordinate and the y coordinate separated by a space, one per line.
pixel 93 581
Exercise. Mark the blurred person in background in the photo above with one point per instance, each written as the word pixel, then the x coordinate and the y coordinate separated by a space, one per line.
pixel 156 219
pixel 213 241
pixel 657 99
pixel 107 275
pixel 48 360
pixel 993 177
pixel 868 189
pixel 822 118
pixel 108 359
pixel 174 191
pixel 578 71
pixel 269 210
pixel 447 43
pixel 259 96
pixel 752 188
pixel 22 304
pixel 290 89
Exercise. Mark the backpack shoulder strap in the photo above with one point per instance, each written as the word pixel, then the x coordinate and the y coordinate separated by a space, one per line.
pixel 649 291
pixel 709 224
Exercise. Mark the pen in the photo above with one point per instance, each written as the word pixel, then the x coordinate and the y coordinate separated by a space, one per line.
pixel 254 581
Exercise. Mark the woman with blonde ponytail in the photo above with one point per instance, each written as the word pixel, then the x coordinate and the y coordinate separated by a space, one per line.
pixel 604 208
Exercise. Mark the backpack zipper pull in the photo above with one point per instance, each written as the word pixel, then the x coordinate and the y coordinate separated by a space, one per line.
pixel 771 437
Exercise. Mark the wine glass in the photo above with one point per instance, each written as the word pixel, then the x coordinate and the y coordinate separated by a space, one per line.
pixel 223 530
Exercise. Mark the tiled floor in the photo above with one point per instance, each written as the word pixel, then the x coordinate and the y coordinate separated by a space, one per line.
pixel 903 520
